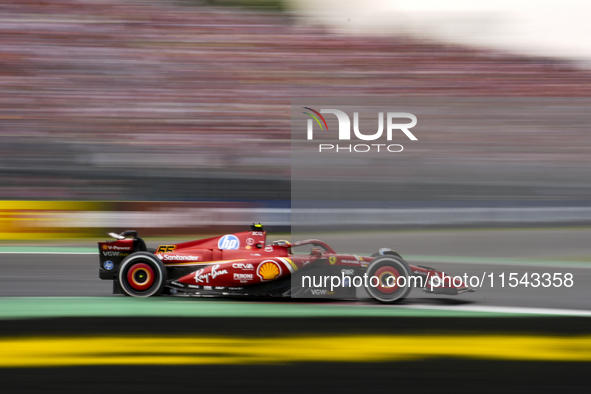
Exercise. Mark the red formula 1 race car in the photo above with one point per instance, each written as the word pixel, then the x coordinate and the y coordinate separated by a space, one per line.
pixel 243 264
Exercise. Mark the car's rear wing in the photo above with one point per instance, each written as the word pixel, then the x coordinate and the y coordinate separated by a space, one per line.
pixel 112 253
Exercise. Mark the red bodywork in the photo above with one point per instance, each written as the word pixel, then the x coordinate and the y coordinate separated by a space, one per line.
pixel 242 259
pixel 244 263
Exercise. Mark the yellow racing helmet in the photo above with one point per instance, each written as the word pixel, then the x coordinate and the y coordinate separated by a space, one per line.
pixel 284 244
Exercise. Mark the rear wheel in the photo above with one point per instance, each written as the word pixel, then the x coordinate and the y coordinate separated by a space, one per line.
pixel 142 275
pixel 388 279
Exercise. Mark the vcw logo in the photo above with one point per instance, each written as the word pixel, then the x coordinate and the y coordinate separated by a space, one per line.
pixel 345 130
pixel 229 241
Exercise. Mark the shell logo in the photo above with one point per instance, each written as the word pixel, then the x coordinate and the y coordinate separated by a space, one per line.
pixel 269 270
pixel 104 247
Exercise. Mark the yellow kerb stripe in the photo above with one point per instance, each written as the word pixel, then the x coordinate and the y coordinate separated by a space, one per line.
pixel 119 350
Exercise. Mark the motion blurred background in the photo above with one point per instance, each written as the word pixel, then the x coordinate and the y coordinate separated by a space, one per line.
pixel 189 101
pixel 174 118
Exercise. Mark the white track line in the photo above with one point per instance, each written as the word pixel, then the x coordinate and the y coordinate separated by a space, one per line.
pixel 515 263
pixel 504 309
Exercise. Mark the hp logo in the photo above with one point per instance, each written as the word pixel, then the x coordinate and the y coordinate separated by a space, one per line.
pixel 108 265
pixel 229 242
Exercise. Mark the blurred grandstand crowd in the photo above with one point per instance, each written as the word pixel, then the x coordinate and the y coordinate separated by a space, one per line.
pixel 141 100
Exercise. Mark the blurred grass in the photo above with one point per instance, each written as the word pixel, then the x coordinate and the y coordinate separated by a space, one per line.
pixel 120 306
pixel 269 5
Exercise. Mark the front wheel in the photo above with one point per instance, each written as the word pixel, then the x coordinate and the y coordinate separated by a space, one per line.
pixel 384 252
pixel 388 279
pixel 142 275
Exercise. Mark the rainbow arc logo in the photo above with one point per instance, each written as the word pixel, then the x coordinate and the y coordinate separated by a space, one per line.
pixel 316 118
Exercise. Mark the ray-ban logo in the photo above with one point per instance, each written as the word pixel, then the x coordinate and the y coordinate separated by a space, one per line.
pixel 396 121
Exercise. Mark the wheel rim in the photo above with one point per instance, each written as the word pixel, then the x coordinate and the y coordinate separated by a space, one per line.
pixel 392 279
pixel 140 276
pixel 387 277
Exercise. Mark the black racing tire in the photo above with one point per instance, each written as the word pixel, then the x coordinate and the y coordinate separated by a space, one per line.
pixel 384 268
pixel 389 252
pixel 142 274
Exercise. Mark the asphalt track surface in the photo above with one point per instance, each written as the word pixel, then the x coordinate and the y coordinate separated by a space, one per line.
pixel 31 272
pixel 431 376
pixel 88 340
pixel 300 368
pixel 74 275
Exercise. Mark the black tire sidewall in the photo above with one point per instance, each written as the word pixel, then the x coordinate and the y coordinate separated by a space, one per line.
pixel 388 253
pixel 401 266
pixel 159 273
